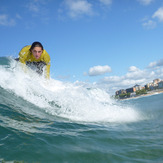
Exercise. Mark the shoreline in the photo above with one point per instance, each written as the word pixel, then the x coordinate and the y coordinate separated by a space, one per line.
pixel 149 93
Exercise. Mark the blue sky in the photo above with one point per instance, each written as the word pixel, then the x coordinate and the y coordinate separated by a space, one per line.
pixel 111 43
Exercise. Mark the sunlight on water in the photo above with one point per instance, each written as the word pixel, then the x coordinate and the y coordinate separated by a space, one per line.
pixel 65 100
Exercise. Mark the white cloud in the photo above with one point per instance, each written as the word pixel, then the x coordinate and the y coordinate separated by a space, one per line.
pixel 77 8
pixel 152 64
pixel 145 2
pixel 135 74
pixel 113 78
pixel 18 16
pixel 37 7
pixel 159 14
pixel 150 24
pixel 6 21
pixel 133 68
pixel 160 62
pixel 33 6
pixel 132 77
pixel 156 64
pixel 99 70
pixel 112 83
pixel 106 2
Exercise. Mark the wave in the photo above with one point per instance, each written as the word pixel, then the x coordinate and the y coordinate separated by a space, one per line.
pixel 34 96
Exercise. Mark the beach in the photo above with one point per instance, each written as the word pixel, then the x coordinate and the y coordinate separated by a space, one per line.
pixel 149 93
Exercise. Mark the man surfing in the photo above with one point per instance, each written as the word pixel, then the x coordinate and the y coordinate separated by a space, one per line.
pixel 35 57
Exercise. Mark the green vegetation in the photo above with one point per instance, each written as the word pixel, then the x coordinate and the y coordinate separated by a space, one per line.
pixel 127 95
pixel 123 95
pixel 141 92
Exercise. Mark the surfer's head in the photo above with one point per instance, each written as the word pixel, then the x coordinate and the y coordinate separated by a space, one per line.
pixel 36 49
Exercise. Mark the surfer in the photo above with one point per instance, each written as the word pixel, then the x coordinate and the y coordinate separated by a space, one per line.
pixel 35 57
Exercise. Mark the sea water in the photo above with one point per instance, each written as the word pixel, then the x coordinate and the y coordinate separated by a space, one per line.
pixel 53 121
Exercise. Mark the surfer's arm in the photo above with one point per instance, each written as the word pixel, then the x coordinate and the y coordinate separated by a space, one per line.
pixel 47 68
pixel 47 71
pixel 23 55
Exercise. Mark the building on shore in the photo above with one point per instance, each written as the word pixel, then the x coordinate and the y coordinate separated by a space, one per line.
pixel 133 94
pixel 156 81
pixel 160 84
pixel 138 87
pixel 156 84
pixel 121 91
pixel 131 90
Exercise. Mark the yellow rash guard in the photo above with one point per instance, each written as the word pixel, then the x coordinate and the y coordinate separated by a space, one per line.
pixel 25 55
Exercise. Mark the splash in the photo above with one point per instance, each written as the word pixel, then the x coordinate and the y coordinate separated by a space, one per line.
pixel 64 100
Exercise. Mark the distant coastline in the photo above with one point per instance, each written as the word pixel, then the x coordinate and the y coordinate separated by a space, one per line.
pixel 149 93
pixel 154 87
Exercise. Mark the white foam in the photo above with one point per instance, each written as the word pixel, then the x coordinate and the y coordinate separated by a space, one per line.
pixel 65 100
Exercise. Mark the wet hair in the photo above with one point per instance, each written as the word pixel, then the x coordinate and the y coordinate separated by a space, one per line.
pixel 36 44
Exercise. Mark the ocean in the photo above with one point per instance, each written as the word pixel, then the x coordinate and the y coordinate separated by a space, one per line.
pixel 51 121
